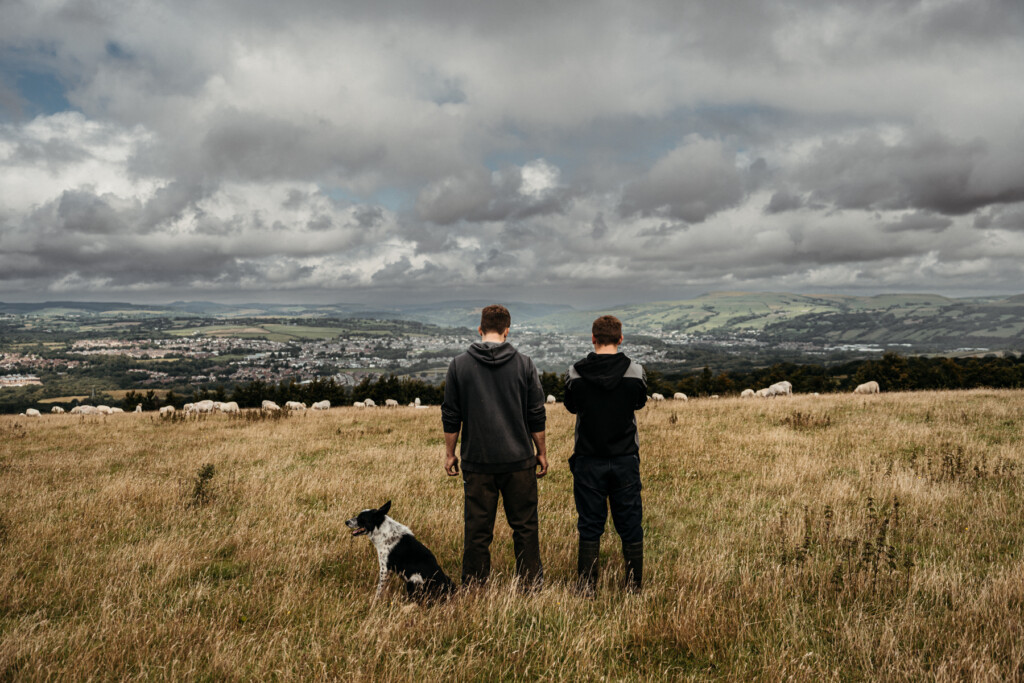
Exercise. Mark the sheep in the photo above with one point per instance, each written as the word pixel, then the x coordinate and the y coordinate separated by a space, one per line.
pixel 200 407
pixel 294 405
pixel 391 403
pixel 269 406
pixel 782 388
pixel 551 398
pixel 229 407
pixel 322 405
pixel 368 402
pixel 422 407
pixel 104 409
pixel 657 397
pixel 867 388
pixel 359 404
pixel 715 396
pixel 57 410
pixel 747 393
pixel 138 407
pixel 679 396
pixel 166 410
pixel 86 410
pixel 115 411
pixel 416 402
pixel 31 412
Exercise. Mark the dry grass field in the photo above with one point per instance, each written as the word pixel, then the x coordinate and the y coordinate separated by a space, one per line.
pixel 814 538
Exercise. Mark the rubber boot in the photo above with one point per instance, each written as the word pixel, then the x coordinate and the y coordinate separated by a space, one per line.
pixel 633 555
pixel 587 566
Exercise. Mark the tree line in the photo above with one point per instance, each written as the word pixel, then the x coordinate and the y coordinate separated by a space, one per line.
pixel 892 371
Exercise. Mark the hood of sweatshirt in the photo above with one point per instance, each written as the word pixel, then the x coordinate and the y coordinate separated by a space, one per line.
pixel 490 353
pixel 605 369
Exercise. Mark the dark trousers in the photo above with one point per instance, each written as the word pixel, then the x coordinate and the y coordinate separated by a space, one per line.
pixel 596 482
pixel 518 491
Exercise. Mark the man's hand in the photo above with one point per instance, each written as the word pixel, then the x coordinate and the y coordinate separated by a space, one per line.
pixel 451 465
pixel 542 463
pixel 451 462
pixel 540 442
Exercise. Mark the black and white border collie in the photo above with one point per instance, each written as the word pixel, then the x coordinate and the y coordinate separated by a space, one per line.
pixel 398 551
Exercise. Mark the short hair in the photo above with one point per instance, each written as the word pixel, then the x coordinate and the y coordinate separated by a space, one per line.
pixel 495 318
pixel 607 330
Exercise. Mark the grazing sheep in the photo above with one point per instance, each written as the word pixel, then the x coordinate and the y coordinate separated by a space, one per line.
pixel 206 406
pixel 115 411
pixel 57 410
pixel 551 398
pixel 368 402
pixel 867 388
pixel 229 407
pixel 391 403
pixel 679 396
pixel 359 404
pixel 295 405
pixel 321 405
pixel 421 407
pixel 269 406
pixel 167 410
pixel 31 412
pixel 657 397
pixel 105 410
pixel 86 410
pixel 747 393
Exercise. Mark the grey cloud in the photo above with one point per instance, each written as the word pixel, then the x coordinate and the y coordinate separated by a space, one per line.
pixel 694 181
pixel 599 227
pixel 320 223
pixel 482 196
pixel 368 216
pixel 919 222
pixel 926 172
pixel 782 201
pixel 1005 218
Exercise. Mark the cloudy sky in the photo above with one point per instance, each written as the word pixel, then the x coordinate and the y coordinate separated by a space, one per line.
pixel 326 150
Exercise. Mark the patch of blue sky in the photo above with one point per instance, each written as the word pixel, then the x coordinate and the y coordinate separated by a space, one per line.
pixel 42 93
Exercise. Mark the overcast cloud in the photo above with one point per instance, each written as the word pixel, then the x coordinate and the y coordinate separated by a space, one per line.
pixel 583 152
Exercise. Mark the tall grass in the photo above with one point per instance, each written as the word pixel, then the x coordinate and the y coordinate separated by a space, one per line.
pixel 815 538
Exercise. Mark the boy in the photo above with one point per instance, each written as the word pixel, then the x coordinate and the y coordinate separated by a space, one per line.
pixel 603 390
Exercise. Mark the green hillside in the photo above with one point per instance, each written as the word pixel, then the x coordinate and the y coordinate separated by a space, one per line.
pixel 919 319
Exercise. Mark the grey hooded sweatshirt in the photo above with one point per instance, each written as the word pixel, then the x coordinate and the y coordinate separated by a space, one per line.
pixel 493 395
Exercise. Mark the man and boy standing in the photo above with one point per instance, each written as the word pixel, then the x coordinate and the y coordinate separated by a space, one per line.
pixel 493 396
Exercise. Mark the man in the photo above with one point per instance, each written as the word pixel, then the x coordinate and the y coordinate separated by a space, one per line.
pixel 493 395
pixel 603 390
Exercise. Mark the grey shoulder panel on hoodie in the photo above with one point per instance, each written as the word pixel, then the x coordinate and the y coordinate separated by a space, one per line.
pixel 573 373
pixel 635 371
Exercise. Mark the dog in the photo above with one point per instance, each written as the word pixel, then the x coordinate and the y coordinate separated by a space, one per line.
pixel 398 551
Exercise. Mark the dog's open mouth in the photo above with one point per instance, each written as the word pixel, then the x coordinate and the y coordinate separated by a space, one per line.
pixel 358 531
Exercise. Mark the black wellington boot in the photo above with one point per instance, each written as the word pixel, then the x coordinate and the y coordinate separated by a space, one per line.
pixel 633 554
pixel 587 566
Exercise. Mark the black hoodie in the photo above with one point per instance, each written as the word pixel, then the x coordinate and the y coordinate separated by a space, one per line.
pixel 493 394
pixel 603 391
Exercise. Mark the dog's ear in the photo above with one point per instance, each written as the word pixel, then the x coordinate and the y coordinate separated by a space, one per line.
pixel 384 508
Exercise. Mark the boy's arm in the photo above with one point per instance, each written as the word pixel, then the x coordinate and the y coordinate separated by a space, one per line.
pixel 570 398
pixel 641 399
pixel 451 420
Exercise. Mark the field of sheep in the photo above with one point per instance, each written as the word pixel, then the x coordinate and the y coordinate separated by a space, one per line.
pixel 814 538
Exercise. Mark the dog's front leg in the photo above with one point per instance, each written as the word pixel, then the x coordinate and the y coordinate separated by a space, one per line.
pixel 381 578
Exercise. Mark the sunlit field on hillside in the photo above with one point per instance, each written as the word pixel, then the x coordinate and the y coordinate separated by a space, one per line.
pixel 818 538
